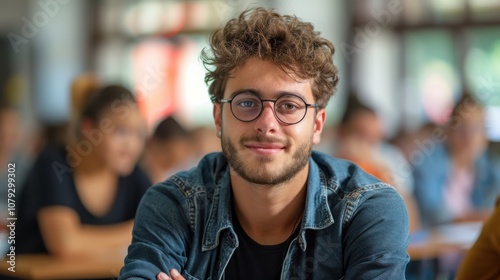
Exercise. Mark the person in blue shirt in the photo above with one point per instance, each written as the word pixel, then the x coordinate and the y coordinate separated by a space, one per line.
pixel 456 176
pixel 268 207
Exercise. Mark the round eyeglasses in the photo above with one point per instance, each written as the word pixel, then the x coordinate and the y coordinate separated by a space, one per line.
pixel 288 108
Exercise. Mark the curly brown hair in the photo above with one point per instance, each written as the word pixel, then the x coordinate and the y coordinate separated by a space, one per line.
pixel 284 40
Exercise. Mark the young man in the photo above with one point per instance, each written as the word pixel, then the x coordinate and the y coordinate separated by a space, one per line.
pixel 268 207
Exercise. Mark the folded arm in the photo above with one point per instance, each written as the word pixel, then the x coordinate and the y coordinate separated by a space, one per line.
pixel 161 236
pixel 376 237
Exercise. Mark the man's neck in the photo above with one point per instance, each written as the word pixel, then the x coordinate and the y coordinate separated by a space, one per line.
pixel 269 214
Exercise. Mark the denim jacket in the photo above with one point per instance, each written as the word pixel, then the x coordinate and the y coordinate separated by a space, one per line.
pixel 354 226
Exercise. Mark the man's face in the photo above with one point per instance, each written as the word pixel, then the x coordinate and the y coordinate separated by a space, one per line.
pixel 266 151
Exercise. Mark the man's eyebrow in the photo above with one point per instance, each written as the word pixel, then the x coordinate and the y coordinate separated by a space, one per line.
pixel 246 90
pixel 258 93
pixel 281 93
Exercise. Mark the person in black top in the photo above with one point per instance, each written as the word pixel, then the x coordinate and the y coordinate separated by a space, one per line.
pixel 80 200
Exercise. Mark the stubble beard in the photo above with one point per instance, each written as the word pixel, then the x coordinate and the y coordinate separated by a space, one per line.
pixel 259 173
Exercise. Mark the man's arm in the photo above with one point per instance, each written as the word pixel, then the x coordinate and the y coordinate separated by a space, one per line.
pixel 161 234
pixel 376 237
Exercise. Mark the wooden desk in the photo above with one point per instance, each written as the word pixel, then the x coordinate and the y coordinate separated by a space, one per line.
pixel 430 245
pixel 48 267
pixel 443 240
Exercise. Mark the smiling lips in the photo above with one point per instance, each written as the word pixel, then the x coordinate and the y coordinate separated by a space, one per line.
pixel 265 148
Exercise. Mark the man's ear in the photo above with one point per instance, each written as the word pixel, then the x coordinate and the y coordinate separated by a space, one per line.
pixel 319 122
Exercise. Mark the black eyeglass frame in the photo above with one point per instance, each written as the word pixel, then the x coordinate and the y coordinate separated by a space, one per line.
pixel 316 106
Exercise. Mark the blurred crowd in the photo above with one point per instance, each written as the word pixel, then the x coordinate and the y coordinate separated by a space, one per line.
pixel 78 184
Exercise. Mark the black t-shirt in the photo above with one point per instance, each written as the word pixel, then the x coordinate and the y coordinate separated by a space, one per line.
pixel 51 183
pixel 254 261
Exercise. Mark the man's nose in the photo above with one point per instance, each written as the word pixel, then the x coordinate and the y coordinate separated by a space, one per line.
pixel 267 122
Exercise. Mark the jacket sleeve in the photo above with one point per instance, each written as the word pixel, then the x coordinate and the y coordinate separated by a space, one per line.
pixel 376 237
pixel 161 234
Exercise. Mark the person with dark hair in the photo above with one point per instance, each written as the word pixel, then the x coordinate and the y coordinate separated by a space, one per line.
pixel 457 180
pixel 268 207
pixel 80 200
pixel 360 139
pixel 359 133
pixel 168 151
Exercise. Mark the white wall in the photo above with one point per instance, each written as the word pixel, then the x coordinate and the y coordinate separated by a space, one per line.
pixel 59 48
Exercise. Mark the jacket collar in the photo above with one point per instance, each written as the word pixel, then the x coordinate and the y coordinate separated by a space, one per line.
pixel 317 213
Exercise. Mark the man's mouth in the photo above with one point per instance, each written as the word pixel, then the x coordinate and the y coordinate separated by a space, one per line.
pixel 265 148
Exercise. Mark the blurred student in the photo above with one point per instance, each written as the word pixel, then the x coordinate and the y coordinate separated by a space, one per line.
pixel 482 260
pixel 12 157
pixel 80 200
pixel 408 141
pixel 13 153
pixel 360 140
pixel 205 141
pixel 168 151
pixel 457 180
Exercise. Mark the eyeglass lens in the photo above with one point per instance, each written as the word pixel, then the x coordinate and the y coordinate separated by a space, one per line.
pixel 288 108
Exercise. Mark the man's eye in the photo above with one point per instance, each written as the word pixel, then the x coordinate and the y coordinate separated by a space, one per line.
pixel 288 106
pixel 246 103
